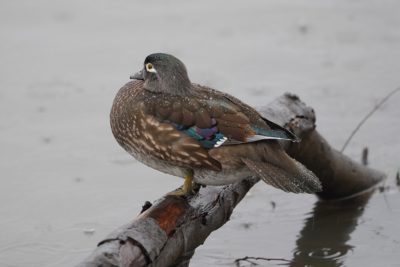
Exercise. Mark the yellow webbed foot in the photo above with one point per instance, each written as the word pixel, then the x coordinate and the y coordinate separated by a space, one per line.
pixel 185 189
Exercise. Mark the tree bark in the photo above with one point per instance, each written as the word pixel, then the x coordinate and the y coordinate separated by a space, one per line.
pixel 341 177
pixel 168 232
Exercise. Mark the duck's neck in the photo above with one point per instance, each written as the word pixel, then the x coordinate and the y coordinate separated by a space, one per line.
pixel 172 86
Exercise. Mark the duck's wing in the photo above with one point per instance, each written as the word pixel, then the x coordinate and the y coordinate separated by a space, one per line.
pixel 213 119
pixel 261 127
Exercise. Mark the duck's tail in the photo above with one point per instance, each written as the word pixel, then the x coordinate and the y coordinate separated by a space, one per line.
pixel 285 173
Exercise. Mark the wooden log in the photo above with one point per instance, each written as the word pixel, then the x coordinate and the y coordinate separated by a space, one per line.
pixel 168 232
pixel 341 177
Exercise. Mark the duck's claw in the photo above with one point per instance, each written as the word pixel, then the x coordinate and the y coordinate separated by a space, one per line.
pixel 186 189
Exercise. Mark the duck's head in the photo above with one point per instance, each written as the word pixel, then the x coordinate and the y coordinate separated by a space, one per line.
pixel 164 73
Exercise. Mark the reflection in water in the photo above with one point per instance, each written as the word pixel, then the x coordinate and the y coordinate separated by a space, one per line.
pixel 323 239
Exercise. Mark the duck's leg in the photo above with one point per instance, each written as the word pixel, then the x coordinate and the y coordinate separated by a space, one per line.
pixel 186 188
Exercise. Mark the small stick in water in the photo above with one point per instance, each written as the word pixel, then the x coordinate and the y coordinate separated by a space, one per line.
pixel 364 158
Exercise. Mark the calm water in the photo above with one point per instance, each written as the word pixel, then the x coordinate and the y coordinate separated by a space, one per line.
pixel 65 183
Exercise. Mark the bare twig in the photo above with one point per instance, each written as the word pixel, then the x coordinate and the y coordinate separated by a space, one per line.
pixel 249 259
pixel 367 117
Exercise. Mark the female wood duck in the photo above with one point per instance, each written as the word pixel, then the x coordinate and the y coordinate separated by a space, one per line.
pixel 206 136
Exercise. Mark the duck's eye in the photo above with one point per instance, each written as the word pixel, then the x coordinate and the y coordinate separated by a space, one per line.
pixel 150 67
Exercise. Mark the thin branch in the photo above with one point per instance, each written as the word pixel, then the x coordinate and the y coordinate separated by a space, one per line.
pixel 367 117
pixel 248 259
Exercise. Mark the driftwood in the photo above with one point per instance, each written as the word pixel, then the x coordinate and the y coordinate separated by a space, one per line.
pixel 341 177
pixel 168 232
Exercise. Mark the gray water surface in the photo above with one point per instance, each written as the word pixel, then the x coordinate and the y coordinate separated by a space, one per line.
pixel 65 182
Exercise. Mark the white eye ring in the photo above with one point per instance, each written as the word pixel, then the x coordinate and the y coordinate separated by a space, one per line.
pixel 150 68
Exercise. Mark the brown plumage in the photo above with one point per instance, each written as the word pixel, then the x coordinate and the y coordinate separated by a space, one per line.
pixel 189 130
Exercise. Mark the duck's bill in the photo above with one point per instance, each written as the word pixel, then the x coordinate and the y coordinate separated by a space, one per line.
pixel 138 76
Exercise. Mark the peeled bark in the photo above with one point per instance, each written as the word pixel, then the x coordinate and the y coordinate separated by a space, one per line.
pixel 168 232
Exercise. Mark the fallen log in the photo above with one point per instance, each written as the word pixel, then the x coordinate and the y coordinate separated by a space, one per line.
pixel 341 177
pixel 168 232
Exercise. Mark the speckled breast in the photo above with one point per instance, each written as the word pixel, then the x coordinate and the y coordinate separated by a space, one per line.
pixel 135 132
pixel 123 116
